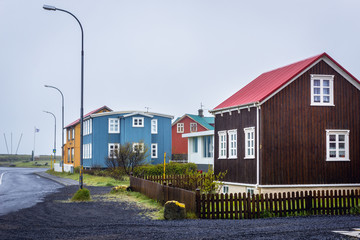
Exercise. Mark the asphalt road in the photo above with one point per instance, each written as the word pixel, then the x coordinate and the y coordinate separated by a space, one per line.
pixel 21 188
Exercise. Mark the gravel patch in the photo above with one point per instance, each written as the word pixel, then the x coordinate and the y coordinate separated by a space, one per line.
pixel 58 218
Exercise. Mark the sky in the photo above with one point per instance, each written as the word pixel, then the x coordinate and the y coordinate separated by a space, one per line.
pixel 168 55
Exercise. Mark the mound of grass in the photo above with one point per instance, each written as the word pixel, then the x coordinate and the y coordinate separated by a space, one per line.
pixel 81 195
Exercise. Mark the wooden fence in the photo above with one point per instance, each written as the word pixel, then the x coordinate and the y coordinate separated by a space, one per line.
pixel 244 206
pixel 163 193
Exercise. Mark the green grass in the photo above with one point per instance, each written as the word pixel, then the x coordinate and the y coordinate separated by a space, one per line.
pixel 24 161
pixel 91 180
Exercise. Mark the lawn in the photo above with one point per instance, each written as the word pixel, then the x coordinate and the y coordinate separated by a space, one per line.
pixel 24 161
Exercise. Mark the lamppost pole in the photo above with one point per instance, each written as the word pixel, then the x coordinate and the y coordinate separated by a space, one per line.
pixel 54 150
pixel 52 8
pixel 62 128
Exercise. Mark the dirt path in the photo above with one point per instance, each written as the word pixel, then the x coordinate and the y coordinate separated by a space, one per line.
pixel 57 218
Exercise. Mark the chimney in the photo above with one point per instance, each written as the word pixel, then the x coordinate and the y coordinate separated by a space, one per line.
pixel 201 113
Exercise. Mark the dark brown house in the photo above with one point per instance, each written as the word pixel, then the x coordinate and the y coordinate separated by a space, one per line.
pixel 294 127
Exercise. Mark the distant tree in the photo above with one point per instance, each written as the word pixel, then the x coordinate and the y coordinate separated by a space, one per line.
pixel 128 156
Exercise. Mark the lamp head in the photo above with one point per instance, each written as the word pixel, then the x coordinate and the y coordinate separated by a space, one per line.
pixel 50 8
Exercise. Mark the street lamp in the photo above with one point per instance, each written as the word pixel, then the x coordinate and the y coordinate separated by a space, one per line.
pixel 62 129
pixel 52 8
pixel 54 150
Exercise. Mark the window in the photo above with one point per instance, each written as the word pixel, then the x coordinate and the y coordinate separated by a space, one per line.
pixel 322 87
pixel 138 147
pixel 249 142
pixel 68 156
pixel 72 155
pixel 138 122
pixel 222 144
pixel 112 148
pixel 73 133
pixel 87 151
pixel 193 127
pixel 225 189
pixel 154 150
pixel 154 126
pixel 208 146
pixel 114 125
pixel 87 127
pixel 250 190
pixel 69 135
pixel 180 127
pixel 232 143
pixel 195 145
pixel 337 145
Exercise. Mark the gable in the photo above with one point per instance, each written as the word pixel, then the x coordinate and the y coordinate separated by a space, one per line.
pixel 270 83
pixel 203 121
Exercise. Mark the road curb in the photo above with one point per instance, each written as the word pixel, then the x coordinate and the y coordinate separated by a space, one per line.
pixel 62 181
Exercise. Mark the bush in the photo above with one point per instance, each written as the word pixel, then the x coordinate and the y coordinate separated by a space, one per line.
pixel 170 169
pixel 77 169
pixel 81 195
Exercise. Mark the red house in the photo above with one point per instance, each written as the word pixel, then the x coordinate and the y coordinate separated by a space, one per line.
pixel 186 124
pixel 295 127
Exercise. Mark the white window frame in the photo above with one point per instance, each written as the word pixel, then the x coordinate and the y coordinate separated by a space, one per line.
pixel 112 147
pixel 232 134
pixel 154 126
pixel 134 145
pixel 69 134
pixel 138 122
pixel 321 94
pixel 337 142
pixel 87 149
pixel 193 127
pixel 73 133
pixel 69 156
pixel 180 127
pixel 154 147
pixel 222 144
pixel 114 125
pixel 225 189
pixel 249 143
pixel 72 155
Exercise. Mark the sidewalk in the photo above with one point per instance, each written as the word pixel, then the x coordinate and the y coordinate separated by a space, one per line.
pixel 63 181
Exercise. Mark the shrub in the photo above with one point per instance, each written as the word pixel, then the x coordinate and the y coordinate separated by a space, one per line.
pixel 77 169
pixel 121 188
pixel 170 169
pixel 81 195
pixel 355 210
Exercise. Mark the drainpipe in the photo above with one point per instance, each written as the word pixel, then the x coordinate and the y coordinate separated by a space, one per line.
pixel 258 107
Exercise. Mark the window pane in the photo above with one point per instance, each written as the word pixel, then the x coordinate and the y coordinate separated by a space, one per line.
pixel 326 99
pixel 342 154
pixel 316 98
pixel 332 153
pixel 316 82
pixel 332 145
pixel 332 138
pixel 342 138
pixel 316 90
pixel 341 145
pixel 326 91
pixel 326 83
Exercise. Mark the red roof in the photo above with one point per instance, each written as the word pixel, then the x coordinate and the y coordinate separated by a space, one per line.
pixel 92 112
pixel 267 83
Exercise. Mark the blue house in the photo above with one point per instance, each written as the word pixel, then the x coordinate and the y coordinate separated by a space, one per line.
pixel 104 132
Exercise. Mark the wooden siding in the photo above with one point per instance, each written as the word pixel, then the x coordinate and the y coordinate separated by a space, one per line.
pixel 293 137
pixel 239 170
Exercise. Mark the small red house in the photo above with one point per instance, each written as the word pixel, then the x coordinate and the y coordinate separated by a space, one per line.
pixel 188 123
pixel 295 127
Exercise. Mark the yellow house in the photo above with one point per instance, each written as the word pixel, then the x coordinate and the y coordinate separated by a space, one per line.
pixel 72 145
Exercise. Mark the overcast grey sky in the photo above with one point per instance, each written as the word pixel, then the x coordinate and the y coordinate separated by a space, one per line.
pixel 166 55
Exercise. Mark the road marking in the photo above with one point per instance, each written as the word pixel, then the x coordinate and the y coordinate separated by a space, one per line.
pixel 355 233
pixel 1 177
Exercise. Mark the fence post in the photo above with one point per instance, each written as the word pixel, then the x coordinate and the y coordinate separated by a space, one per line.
pixel 197 203
pixel 308 201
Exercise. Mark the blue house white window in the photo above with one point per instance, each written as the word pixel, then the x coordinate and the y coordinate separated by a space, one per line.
pixel 87 127
pixel 87 151
pixel 114 125
pixel 138 122
pixel 154 126
pixel 112 148
pixel 138 147
pixel 154 150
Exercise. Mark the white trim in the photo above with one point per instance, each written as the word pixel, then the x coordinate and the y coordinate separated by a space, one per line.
pixel 198 134
pixel 115 123
pixel 138 144
pixel 346 149
pixel 240 184
pixel 321 87
pixel 154 123
pixel 258 145
pixel 155 145
pixel 246 131
pixel 115 146
pixel 138 113
pixel 220 134
pixel 149 114
pixel 179 126
pixel 138 122
pixel 230 133
pixel 233 108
